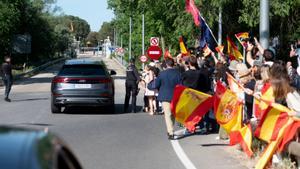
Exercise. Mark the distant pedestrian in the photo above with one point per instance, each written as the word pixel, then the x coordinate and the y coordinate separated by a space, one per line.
pixel 132 81
pixel 166 83
pixel 7 77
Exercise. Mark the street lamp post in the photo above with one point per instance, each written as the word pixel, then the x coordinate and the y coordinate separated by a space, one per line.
pixel 143 37
pixel 130 26
pixel 264 26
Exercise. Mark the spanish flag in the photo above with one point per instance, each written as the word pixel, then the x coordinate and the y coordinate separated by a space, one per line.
pixel 242 38
pixel 228 109
pixel 183 49
pixel 167 54
pixel 189 106
pixel 266 96
pixel 272 121
pixel 228 112
pixel 220 49
pixel 289 134
pixel 272 147
pixel 206 51
pixel 233 51
pixel 244 138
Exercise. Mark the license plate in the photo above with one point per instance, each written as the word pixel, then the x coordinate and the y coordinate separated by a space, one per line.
pixel 83 86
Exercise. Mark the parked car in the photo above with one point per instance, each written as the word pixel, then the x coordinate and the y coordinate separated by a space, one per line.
pixel 83 82
pixel 31 149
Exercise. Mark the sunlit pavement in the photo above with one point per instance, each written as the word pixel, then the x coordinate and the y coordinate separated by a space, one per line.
pixel 104 140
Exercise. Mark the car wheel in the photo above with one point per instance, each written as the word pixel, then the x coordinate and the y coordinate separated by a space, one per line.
pixel 55 109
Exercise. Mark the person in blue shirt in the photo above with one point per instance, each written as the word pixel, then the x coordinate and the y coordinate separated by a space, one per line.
pixel 165 83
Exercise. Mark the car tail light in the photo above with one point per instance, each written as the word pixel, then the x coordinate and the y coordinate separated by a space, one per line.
pixel 59 80
pixel 105 80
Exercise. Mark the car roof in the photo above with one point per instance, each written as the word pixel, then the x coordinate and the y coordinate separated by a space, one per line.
pixel 83 62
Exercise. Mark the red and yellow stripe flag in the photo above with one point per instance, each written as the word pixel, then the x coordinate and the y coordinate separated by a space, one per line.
pixel 272 147
pixel 289 134
pixel 227 108
pixel 244 138
pixel 266 96
pixel 242 38
pixel 228 112
pixel 233 51
pixel 272 121
pixel 183 49
pixel 189 106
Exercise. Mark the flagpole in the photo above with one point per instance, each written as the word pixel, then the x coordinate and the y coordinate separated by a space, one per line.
pixel 209 29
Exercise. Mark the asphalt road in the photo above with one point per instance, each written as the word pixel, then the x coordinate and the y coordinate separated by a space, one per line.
pixel 104 140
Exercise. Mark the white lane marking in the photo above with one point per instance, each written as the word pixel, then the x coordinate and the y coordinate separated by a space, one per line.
pixel 181 155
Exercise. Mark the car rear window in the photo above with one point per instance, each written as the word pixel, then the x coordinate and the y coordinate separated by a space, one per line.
pixel 82 70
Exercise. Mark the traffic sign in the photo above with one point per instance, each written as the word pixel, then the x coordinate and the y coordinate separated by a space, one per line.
pixel 143 58
pixel 154 52
pixel 120 51
pixel 154 41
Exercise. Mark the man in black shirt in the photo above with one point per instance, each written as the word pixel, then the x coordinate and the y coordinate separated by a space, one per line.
pixel 6 71
pixel 132 80
pixel 195 78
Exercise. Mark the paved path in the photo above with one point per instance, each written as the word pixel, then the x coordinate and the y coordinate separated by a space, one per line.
pixel 110 141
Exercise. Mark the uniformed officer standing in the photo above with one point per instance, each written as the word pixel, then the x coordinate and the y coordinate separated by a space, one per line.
pixel 7 77
pixel 132 80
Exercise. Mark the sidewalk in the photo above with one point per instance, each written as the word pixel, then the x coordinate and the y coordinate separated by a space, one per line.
pixel 114 65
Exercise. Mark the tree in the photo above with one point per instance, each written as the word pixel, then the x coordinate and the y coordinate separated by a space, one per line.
pixel 107 29
pixel 169 20
pixel 93 38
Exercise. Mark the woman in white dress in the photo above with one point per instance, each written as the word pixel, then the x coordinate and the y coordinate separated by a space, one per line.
pixel 150 93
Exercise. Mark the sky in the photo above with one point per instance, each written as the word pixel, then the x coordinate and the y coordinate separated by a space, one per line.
pixel 95 12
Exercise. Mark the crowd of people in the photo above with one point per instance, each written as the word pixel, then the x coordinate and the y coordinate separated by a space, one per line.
pixel 259 70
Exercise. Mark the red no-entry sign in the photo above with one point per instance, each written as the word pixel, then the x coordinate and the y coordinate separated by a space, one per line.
pixel 143 58
pixel 154 52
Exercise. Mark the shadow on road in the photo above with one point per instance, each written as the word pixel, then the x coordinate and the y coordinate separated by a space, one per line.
pixel 28 100
pixel 214 145
pixel 34 80
pixel 119 109
pixel 37 124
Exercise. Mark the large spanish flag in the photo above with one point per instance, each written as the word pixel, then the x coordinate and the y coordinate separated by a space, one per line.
pixel 266 97
pixel 189 106
pixel 272 121
pixel 242 38
pixel 227 108
pixel 244 138
pixel 233 51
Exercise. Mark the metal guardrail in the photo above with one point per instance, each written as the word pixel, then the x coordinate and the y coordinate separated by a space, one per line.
pixel 36 70
pixel 39 68
pixel 121 60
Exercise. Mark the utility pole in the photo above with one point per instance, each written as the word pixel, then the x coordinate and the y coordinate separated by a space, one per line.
pixel 143 37
pixel 220 29
pixel 130 27
pixel 264 26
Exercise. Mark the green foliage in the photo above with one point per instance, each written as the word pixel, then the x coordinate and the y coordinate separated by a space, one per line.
pixel 49 31
pixel 107 29
pixel 168 19
pixel 93 38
